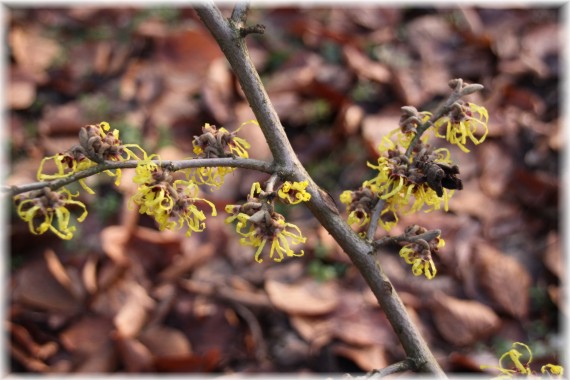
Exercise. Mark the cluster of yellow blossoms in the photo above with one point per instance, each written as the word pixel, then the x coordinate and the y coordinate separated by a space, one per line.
pixel 170 197
pixel 171 202
pixel 418 252
pixel 411 175
pixel 215 142
pixel 97 144
pixel 514 355
pixel 39 208
pixel 46 209
pixel 258 223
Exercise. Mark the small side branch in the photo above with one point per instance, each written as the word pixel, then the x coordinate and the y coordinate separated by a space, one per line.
pixel 256 29
pixel 244 163
pixel 459 90
pixel 404 365
pixel 426 236
pixel 374 219
pixel 239 14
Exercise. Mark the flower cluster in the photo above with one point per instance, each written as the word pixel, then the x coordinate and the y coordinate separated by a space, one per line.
pixel 411 175
pixel 514 355
pixel 360 203
pixel 217 143
pixel 259 224
pixel 418 251
pixel 424 181
pixel 45 210
pixel 294 192
pixel 465 120
pixel 97 144
pixel 171 202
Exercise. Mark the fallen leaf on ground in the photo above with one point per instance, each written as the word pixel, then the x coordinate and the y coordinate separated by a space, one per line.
pixel 463 322
pixel 305 297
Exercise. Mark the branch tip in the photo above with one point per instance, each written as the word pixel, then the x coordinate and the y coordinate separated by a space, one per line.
pixel 256 29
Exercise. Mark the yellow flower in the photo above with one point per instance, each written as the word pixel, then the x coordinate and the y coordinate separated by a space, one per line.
pixel 214 142
pixel 295 192
pixel 97 144
pixel 258 224
pixel 281 235
pixel 462 122
pixel 172 203
pixel 514 355
pixel 418 252
pixel 67 164
pixel 411 185
pixel 41 207
pixel 421 264
pixel 210 176
pixel 185 208
pixel 552 369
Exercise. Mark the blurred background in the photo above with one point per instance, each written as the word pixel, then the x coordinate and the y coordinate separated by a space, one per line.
pixel 123 297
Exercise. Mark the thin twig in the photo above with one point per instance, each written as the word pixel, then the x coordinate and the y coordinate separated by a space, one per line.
pixel 270 184
pixel 239 14
pixel 261 352
pixel 244 163
pixel 374 219
pixel 455 95
pixel 426 236
pixel 404 365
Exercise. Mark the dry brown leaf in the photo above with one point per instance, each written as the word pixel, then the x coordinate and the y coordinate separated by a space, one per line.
pixel 218 91
pixel 22 337
pixel 306 297
pixel 66 119
pixel 504 280
pixel 314 330
pixel 553 255
pixel 103 360
pixel 114 240
pixel 28 361
pixel 31 50
pixel 136 357
pixel 178 49
pixel 165 341
pixel 364 66
pixel 89 274
pixel 87 335
pixel 21 91
pixel 367 358
pixel 172 107
pixel 349 119
pixel 496 168
pixel 462 322
pixel 375 127
pixel 356 323
pixel 134 311
pixel 408 86
pixel 62 276
pixel 35 286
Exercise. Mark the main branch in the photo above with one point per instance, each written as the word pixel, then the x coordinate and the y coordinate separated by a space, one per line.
pixel 321 204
